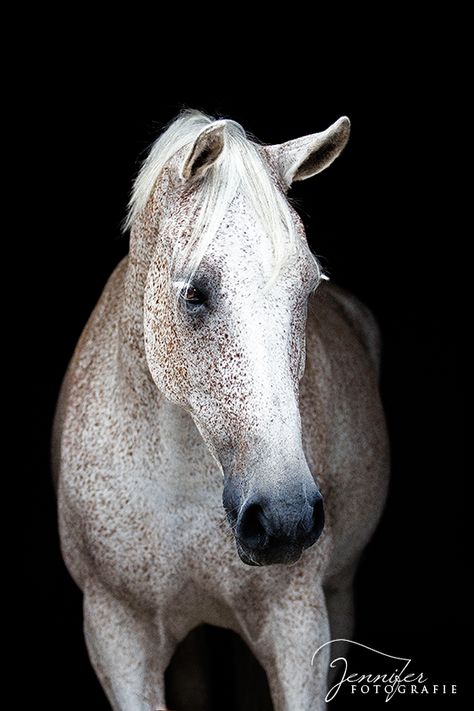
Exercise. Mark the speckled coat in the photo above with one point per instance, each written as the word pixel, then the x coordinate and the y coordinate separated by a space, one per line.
pixel 149 411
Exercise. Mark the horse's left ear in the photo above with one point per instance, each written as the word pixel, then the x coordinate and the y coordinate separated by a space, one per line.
pixel 204 153
pixel 304 157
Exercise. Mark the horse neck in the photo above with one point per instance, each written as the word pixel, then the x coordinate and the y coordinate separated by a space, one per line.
pixel 131 334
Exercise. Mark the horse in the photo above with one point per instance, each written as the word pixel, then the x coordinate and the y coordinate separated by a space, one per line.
pixel 220 450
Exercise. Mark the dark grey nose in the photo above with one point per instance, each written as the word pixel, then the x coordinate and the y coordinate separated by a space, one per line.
pixel 273 531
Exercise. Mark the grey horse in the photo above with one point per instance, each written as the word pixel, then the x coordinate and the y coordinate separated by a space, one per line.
pixel 220 448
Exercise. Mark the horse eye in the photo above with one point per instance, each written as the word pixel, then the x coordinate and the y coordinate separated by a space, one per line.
pixel 192 296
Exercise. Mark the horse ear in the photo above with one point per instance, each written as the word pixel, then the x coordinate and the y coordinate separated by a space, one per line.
pixel 204 153
pixel 304 157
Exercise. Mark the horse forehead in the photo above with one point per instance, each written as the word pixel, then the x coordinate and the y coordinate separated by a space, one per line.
pixel 243 254
pixel 241 226
pixel 241 241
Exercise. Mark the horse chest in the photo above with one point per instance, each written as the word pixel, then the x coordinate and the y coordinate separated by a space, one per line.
pixel 150 542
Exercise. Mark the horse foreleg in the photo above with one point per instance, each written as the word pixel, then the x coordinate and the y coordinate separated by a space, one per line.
pixel 340 606
pixel 293 631
pixel 128 650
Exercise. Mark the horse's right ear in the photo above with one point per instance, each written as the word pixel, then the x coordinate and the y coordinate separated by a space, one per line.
pixel 204 153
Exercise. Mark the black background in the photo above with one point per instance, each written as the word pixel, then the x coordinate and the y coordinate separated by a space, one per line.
pixel 378 218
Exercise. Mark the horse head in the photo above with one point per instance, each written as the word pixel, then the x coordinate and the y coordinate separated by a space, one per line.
pixel 228 277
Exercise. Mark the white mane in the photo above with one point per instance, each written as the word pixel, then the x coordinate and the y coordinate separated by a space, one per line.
pixel 239 169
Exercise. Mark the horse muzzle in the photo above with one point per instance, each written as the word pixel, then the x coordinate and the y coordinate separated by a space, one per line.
pixel 271 529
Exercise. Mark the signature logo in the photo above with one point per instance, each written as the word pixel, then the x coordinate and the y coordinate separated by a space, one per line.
pixel 397 680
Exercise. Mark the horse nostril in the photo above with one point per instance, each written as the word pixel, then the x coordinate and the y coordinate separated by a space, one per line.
pixel 318 517
pixel 268 525
pixel 251 526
